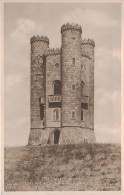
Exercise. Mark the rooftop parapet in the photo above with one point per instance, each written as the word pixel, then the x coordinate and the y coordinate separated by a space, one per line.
pixel 71 27
pixel 88 41
pixel 50 52
pixel 39 38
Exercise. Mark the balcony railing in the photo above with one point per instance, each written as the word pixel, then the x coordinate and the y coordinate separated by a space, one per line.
pixel 54 98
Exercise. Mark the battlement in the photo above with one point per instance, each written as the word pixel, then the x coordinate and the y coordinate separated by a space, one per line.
pixel 39 38
pixel 88 41
pixel 50 52
pixel 71 27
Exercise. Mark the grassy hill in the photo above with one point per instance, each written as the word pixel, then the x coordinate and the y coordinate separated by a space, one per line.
pixel 63 167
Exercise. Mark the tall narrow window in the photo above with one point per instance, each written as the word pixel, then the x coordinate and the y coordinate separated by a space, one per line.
pixel 73 87
pixel 73 61
pixel 73 114
pixel 57 87
pixel 82 117
pixel 82 88
pixel 85 140
pixel 41 111
pixel 56 115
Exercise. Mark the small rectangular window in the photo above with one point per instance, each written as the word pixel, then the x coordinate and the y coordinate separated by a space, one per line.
pixel 84 106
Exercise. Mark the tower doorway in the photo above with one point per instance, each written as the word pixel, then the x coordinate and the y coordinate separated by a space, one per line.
pixel 56 136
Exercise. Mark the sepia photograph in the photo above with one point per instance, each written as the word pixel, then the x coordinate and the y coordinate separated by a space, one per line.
pixel 62 96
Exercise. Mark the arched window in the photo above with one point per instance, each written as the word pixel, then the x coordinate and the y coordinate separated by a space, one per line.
pixel 56 115
pixel 57 65
pixel 73 87
pixel 57 87
pixel 73 114
pixel 73 61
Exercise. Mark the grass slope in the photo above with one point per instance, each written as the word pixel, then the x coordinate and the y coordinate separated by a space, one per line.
pixel 63 167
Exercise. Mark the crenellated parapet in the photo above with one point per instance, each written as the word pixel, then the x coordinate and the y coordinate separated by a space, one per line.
pixel 50 52
pixel 73 26
pixel 39 38
pixel 88 42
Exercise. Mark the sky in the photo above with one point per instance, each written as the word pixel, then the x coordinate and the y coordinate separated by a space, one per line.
pixel 99 21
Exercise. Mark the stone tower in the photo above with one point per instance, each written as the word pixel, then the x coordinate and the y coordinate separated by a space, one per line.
pixel 38 47
pixel 71 80
pixel 62 89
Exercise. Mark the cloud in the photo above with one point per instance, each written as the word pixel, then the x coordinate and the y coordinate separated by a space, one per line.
pixel 116 53
pixel 107 93
pixel 89 16
pixel 109 97
pixel 113 53
pixel 108 69
pixel 11 80
pixel 105 133
pixel 107 109
pixel 98 18
pixel 115 97
pixel 25 28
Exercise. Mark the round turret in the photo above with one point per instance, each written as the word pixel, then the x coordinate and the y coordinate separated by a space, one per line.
pixel 87 52
pixel 71 75
pixel 38 38
pixel 39 44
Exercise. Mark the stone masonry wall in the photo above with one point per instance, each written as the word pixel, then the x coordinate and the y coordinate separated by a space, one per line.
pixel 38 136
pixel 76 135
pixel 52 73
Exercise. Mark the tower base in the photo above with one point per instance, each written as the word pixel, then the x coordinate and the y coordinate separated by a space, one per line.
pixel 64 135
pixel 75 135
